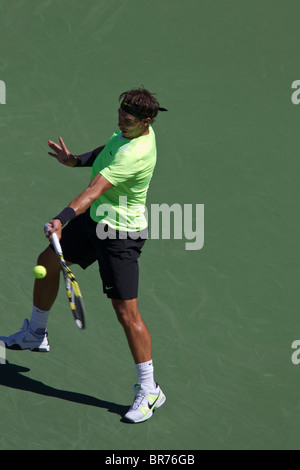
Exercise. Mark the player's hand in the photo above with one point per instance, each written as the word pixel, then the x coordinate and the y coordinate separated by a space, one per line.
pixel 62 154
pixel 55 226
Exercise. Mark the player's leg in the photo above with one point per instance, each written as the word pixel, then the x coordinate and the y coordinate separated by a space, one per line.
pixel 33 333
pixel 136 331
pixel 148 394
pixel 45 290
pixel 119 270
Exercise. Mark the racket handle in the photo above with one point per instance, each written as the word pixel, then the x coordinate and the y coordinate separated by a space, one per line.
pixel 54 240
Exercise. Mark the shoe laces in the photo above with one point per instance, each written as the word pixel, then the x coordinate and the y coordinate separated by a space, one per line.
pixel 140 395
pixel 25 325
pixel 38 334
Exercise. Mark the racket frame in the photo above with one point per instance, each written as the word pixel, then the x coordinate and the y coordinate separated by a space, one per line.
pixel 72 286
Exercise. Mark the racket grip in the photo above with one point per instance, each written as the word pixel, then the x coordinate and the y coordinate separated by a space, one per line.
pixel 54 240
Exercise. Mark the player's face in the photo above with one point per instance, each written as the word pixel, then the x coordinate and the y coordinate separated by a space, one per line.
pixel 131 126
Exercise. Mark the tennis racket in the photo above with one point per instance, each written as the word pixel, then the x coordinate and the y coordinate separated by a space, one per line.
pixel 72 286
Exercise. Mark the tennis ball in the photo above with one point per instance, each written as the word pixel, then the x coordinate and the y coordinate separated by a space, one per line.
pixel 39 272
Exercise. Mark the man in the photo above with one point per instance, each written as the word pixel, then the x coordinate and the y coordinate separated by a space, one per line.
pixel 121 171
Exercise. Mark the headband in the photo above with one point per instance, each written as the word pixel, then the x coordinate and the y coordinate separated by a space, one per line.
pixel 136 110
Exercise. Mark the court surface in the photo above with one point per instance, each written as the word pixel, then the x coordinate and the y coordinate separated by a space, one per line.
pixel 222 318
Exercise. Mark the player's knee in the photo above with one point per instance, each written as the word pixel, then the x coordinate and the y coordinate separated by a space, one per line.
pixel 126 314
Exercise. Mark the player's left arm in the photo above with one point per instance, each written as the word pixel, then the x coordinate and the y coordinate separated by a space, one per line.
pixel 87 159
pixel 98 186
pixel 64 156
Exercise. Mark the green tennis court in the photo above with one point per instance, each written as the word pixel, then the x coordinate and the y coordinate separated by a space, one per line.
pixel 222 318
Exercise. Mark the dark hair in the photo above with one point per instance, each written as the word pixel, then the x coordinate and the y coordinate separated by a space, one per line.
pixel 143 99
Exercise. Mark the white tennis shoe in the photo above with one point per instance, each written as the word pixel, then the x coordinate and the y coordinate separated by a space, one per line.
pixel 27 339
pixel 145 402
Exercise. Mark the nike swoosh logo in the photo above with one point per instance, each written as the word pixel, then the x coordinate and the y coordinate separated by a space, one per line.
pixel 108 288
pixel 150 405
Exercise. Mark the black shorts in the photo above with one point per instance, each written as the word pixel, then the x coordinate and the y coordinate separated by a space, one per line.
pixel 117 258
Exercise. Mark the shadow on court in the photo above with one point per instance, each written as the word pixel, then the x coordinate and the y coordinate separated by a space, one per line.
pixel 11 376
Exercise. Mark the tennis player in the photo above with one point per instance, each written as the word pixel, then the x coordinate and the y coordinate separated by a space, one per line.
pixel 123 168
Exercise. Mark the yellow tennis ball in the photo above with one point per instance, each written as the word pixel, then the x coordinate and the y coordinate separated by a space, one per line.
pixel 39 272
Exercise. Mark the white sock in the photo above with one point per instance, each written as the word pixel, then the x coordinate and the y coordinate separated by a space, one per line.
pixel 145 374
pixel 38 320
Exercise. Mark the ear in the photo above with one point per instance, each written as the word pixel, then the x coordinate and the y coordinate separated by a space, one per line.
pixel 147 122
